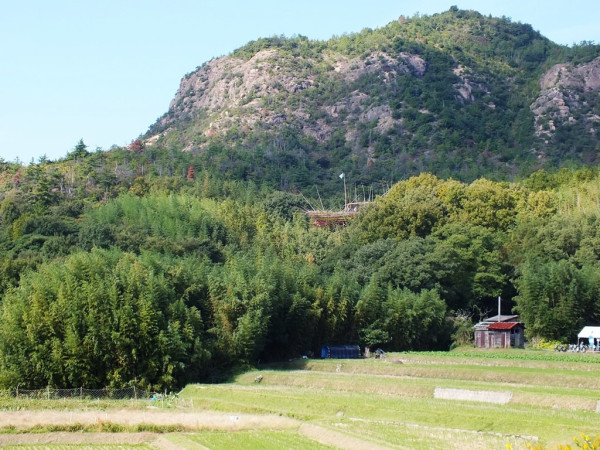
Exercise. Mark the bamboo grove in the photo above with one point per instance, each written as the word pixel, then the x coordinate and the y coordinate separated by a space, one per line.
pixel 156 282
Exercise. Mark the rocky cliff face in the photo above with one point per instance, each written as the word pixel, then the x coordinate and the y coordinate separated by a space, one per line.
pixel 569 95
pixel 264 92
pixel 449 93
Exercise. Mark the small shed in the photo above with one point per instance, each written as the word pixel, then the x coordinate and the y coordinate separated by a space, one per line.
pixel 589 336
pixel 500 332
pixel 340 351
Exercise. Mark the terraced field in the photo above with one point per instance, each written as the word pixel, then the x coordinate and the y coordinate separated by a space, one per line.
pixel 463 400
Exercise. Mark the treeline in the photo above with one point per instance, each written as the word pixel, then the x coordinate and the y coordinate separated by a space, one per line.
pixel 162 281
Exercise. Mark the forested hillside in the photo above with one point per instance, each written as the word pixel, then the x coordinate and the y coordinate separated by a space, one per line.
pixel 165 280
pixel 454 94
pixel 188 254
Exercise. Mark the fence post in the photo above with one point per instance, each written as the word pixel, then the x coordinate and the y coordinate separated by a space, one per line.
pixel 134 393
pixel 81 392
pixel 48 392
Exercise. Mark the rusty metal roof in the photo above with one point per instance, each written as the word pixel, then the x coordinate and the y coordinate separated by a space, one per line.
pixel 502 325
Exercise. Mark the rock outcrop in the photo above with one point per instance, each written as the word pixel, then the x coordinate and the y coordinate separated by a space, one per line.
pixel 569 95
pixel 253 94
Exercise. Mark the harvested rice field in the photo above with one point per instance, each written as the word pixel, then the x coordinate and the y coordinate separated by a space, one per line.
pixel 457 400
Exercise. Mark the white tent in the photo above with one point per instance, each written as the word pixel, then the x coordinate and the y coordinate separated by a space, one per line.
pixel 588 332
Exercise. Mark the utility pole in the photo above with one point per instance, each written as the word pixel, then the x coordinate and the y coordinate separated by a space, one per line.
pixel 345 194
pixel 343 177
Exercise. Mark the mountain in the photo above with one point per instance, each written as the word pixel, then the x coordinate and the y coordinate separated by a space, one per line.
pixel 177 260
pixel 456 94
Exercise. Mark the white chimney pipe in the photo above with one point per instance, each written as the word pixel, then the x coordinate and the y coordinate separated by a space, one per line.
pixel 498 308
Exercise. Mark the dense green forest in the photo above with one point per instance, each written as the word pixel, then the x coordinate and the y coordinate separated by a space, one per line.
pixel 112 278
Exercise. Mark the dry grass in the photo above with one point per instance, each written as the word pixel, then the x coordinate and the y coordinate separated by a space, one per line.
pixel 21 421
pixel 87 440
pixel 546 373
pixel 525 390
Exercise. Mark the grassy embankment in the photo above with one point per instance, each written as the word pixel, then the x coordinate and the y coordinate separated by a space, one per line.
pixel 391 401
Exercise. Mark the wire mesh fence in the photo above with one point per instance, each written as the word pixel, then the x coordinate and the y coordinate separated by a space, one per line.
pixel 127 393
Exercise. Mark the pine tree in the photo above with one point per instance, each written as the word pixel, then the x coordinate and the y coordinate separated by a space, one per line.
pixel 80 151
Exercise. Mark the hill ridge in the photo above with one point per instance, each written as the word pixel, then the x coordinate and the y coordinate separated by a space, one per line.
pixel 456 94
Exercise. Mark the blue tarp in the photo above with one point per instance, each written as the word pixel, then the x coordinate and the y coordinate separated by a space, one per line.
pixel 340 351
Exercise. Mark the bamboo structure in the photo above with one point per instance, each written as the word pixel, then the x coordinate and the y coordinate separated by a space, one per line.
pixel 324 218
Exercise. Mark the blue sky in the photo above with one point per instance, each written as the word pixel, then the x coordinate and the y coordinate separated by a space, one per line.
pixel 105 70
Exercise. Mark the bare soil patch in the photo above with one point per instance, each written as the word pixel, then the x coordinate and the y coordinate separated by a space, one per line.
pixel 473 396
pixel 77 438
pixel 23 421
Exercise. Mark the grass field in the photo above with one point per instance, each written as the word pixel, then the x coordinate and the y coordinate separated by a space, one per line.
pixel 371 403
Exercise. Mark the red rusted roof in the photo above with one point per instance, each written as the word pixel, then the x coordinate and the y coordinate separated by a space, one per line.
pixel 502 325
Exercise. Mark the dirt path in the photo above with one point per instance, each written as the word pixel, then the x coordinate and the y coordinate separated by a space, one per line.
pixel 159 441
pixel 78 438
